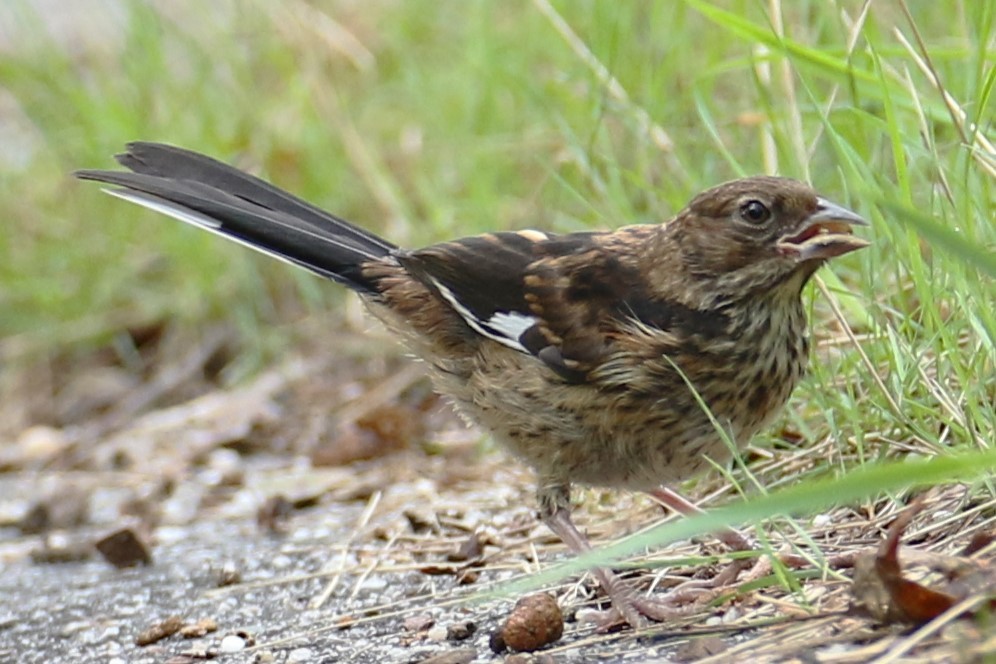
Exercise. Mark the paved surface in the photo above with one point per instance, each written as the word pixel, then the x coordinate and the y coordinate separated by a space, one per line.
pixel 88 611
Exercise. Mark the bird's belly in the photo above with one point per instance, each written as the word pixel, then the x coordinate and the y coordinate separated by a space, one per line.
pixel 615 447
pixel 643 460
pixel 594 448
pixel 618 438
pixel 578 434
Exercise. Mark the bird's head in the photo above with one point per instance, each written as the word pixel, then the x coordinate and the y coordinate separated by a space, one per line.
pixel 762 232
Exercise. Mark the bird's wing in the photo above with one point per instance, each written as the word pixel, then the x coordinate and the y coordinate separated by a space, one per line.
pixel 481 279
pixel 548 296
pixel 561 298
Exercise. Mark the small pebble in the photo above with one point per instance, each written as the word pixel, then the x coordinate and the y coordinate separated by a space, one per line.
pixel 233 643
pixel 281 561
pixel 374 583
pixel 437 633
pixel 418 622
pixel 124 548
pixel 228 575
pixel 460 631
pixel 300 655
pixel 461 656
pixel 822 520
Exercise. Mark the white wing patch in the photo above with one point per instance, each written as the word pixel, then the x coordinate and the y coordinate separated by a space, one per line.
pixel 511 324
pixel 503 327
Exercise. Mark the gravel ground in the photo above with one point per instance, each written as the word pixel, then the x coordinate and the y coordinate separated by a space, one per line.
pixel 90 612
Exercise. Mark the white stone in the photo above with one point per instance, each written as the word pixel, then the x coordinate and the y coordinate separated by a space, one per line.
pixel 233 643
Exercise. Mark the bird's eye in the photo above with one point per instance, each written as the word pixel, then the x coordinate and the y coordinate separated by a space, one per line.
pixel 755 212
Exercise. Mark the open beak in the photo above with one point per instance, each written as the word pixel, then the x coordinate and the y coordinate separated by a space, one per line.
pixel 824 234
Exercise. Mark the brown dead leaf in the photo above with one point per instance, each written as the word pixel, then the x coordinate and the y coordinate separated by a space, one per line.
pixel 883 590
pixel 978 542
pixel 472 548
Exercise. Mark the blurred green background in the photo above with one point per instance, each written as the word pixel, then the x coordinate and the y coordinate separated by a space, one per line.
pixel 428 119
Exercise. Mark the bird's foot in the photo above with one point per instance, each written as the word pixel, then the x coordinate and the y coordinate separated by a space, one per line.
pixel 633 611
pixel 628 607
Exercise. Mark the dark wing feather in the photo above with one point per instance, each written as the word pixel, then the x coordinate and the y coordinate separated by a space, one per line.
pixel 481 278
pixel 484 271
pixel 576 291
pixel 538 294
pixel 558 298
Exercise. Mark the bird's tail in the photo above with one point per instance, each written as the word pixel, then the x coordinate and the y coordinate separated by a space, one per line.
pixel 206 193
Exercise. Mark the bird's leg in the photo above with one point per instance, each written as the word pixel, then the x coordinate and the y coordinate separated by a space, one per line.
pixel 555 510
pixel 731 538
pixel 682 505
pixel 737 542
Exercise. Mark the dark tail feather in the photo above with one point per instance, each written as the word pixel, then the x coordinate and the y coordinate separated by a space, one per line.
pixel 223 200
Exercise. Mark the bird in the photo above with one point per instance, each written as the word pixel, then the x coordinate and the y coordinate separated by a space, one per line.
pixel 622 358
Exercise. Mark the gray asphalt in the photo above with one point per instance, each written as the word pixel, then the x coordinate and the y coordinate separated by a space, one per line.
pixel 88 611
